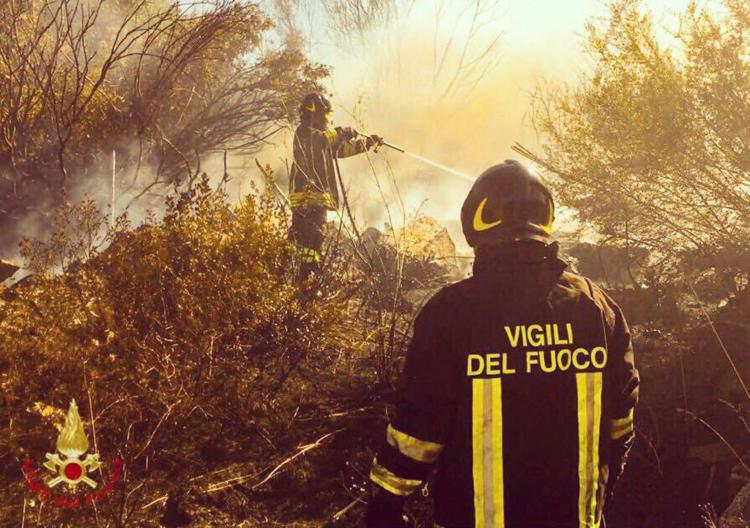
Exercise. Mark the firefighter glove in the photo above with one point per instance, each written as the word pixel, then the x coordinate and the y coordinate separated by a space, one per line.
pixel 374 141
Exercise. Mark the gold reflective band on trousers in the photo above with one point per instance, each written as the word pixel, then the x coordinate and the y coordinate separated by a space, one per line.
pixel 589 391
pixel 487 453
pixel 310 256
pixel 303 199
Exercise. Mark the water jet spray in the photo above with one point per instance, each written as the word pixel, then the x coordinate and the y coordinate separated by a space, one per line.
pixel 428 161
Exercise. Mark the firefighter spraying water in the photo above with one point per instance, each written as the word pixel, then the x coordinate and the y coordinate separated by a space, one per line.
pixel 315 177
pixel 313 180
pixel 440 166
pixel 428 161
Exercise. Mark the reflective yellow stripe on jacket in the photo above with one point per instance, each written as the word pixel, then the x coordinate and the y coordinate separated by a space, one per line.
pixel 487 453
pixel 392 482
pixel 412 447
pixel 621 426
pixel 331 136
pixel 589 390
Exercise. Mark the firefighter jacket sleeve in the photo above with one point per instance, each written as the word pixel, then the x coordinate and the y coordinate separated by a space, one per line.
pixel 350 143
pixel 424 412
pixel 343 141
pixel 624 394
pixel 352 147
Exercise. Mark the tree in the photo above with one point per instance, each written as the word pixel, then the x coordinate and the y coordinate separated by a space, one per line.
pixel 159 83
pixel 652 148
pixel 457 51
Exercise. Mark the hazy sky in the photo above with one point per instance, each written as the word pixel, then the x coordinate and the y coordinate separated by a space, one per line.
pixel 539 39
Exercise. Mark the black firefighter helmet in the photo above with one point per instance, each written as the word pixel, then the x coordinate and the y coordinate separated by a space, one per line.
pixel 507 203
pixel 315 103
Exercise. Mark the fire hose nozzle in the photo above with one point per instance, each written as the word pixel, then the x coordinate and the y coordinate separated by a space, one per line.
pixel 394 147
pixel 390 145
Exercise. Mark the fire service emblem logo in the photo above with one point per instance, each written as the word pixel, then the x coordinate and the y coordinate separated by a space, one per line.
pixel 70 464
pixel 72 443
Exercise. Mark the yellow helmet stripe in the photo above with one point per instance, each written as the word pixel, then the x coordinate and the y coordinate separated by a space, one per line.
pixel 479 224
pixel 548 227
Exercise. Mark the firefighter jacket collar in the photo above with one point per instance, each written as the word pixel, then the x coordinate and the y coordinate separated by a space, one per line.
pixel 507 257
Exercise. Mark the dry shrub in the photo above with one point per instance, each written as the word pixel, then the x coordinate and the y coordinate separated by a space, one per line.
pixel 177 338
pixel 197 358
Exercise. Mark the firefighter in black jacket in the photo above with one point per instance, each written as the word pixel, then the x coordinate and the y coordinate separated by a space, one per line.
pixel 519 383
pixel 313 186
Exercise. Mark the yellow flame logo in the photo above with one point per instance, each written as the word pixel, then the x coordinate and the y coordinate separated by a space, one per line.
pixel 72 441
